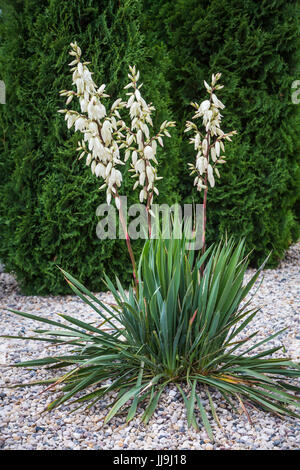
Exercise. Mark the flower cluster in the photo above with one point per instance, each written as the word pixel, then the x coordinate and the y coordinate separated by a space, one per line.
pixel 140 146
pixel 210 145
pixel 106 133
pixel 101 130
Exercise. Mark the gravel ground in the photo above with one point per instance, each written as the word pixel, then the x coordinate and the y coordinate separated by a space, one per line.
pixel 22 426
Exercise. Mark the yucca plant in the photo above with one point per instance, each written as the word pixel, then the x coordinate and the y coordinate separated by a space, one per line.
pixel 182 320
pixel 181 327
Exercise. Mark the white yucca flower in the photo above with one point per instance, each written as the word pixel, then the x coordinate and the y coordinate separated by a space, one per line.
pixel 80 124
pixel 205 105
pixel 148 152
pixel 209 145
pixel 106 132
pixel 95 109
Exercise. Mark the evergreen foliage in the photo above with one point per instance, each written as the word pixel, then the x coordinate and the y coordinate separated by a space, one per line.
pixel 256 47
pixel 48 200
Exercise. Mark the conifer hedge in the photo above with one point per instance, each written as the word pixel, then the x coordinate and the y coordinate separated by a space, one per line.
pixel 48 200
pixel 256 47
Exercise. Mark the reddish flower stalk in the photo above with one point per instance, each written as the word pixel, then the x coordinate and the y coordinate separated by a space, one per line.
pixel 204 218
pixel 205 198
pixel 129 247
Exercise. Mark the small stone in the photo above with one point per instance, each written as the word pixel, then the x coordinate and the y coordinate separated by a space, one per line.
pixel 39 428
pixel 69 443
pixel 277 297
pixel 209 447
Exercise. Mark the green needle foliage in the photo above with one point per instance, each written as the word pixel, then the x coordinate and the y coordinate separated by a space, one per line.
pixel 255 45
pixel 47 204
pixel 179 327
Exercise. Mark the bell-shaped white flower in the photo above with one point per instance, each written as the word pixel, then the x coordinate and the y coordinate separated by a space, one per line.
pixel 93 127
pixel 100 170
pixel 210 176
pixel 71 118
pixel 197 141
pixel 135 109
pixel 80 124
pixel 118 178
pixel 106 132
pixel 148 152
pixel 96 110
pixel 83 105
pixel 88 159
pixel 150 174
pixel 217 102
pixel 142 178
pixel 80 86
pixel 140 166
pixel 205 105
pixel 134 157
